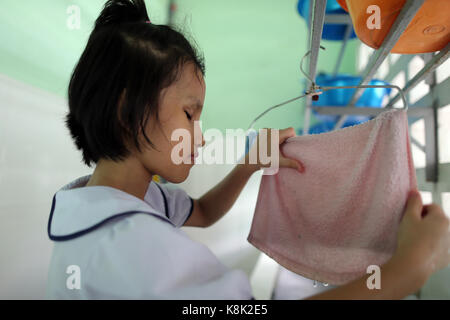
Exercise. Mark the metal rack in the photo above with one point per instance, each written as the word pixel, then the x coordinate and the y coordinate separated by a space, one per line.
pixel 425 108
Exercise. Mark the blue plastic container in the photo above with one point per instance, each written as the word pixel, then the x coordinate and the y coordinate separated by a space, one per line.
pixel 330 31
pixel 372 97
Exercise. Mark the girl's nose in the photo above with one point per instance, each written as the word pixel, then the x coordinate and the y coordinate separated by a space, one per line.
pixel 203 141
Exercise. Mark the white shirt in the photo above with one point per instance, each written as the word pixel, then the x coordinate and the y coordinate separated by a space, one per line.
pixel 126 248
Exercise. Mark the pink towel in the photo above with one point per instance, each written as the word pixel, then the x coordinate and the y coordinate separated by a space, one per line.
pixel 342 214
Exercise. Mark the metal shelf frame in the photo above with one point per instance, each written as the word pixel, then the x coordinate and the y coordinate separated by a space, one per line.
pixel 426 108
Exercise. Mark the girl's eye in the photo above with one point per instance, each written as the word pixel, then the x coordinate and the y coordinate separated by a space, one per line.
pixel 188 115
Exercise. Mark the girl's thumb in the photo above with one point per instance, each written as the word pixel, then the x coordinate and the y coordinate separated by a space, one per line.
pixel 414 204
pixel 290 163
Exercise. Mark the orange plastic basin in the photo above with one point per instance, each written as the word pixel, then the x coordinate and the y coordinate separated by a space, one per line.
pixel 428 31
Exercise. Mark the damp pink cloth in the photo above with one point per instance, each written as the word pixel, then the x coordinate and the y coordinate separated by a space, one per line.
pixel 342 214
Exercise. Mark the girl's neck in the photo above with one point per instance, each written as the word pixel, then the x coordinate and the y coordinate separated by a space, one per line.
pixel 129 176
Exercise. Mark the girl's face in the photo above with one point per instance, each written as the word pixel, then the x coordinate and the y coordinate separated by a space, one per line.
pixel 180 107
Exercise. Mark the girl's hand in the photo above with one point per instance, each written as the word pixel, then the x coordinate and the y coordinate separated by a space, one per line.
pixel 283 161
pixel 424 236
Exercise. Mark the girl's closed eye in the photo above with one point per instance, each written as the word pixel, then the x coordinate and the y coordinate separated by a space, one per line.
pixel 188 115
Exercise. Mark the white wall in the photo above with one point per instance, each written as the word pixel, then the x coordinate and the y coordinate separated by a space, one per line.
pixel 36 158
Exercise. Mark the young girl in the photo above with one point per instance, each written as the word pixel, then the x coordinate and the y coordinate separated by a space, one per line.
pixel 117 233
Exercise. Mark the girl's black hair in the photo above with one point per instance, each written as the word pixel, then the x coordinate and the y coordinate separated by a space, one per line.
pixel 126 59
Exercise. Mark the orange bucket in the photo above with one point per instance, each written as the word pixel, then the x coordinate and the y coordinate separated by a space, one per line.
pixel 428 31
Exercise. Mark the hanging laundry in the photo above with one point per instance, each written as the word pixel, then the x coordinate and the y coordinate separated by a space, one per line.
pixel 342 214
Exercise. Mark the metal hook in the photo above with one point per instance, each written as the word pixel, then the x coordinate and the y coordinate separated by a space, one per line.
pixel 279 105
pixel 315 90
pixel 313 85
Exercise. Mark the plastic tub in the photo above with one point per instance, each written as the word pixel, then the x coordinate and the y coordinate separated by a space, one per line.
pixel 428 31
pixel 372 97
pixel 330 31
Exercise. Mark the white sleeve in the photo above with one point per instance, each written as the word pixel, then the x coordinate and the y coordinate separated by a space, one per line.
pixel 178 204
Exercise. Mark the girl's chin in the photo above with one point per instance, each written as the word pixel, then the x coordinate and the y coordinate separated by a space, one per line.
pixel 178 175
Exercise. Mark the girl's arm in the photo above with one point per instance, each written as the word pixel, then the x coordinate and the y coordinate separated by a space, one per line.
pixel 215 203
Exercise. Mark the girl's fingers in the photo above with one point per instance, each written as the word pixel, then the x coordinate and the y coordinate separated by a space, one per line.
pixel 291 163
pixel 286 162
pixel 414 205
pixel 286 133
